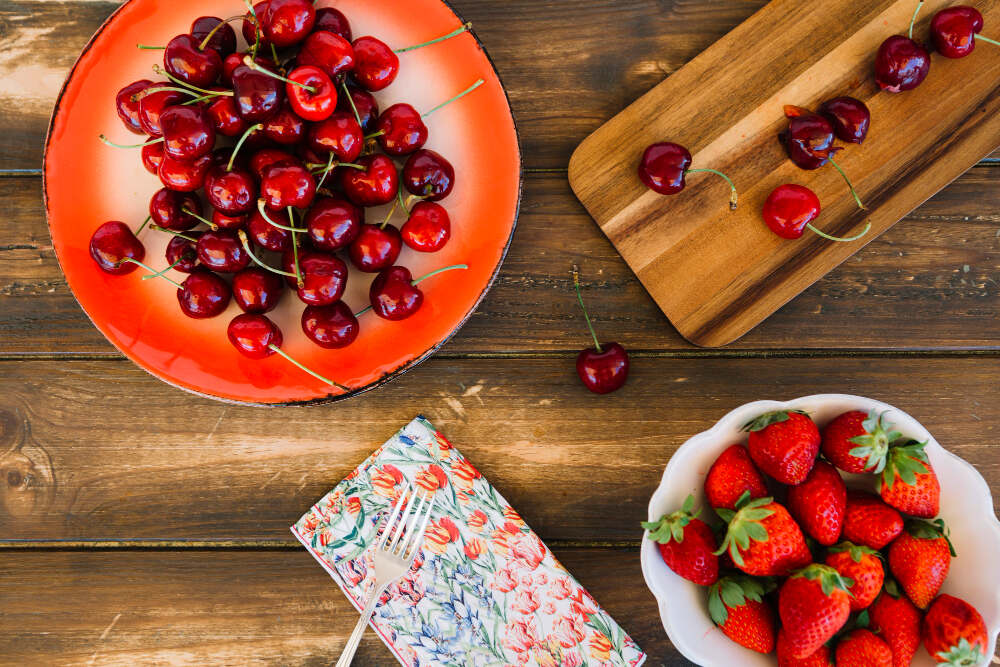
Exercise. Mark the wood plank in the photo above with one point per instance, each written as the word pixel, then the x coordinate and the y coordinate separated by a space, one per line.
pixel 98 450
pixel 560 90
pixel 235 608
pixel 909 289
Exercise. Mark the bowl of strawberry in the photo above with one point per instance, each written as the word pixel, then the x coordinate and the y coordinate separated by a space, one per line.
pixel 828 530
pixel 281 201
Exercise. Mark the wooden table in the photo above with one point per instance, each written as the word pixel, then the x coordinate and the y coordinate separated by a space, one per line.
pixel 140 524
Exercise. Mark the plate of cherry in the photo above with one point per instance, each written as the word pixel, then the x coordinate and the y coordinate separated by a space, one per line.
pixel 281 202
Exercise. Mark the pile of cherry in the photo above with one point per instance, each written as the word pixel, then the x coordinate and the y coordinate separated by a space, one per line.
pixel 287 143
pixel 901 64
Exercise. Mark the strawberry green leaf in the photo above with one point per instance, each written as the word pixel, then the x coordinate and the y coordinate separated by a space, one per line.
pixel 962 655
pixel 892 588
pixel 827 577
pixel 874 444
pixel 716 608
pixel 856 551
pixel 765 420
pixel 863 620
pixel 725 514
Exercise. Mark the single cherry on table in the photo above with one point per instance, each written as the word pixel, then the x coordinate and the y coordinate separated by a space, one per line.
pixel 955 31
pixel 791 209
pixel 664 168
pixel 604 367
pixel 901 63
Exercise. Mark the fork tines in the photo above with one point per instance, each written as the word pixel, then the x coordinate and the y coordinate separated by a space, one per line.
pixel 406 524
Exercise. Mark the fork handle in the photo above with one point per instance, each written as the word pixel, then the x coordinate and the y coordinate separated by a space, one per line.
pixel 359 630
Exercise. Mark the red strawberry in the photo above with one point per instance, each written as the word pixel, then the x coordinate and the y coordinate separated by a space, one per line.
pixel 869 521
pixel 686 544
pixel 818 503
pixel 908 482
pixel 861 648
pixel 732 475
pixel 897 621
pixel 736 605
pixel 821 658
pixel 955 633
pixel 920 559
pixel 863 566
pixel 857 442
pixel 813 604
pixel 763 538
pixel 784 445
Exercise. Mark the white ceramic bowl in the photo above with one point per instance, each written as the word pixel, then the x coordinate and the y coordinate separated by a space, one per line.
pixel 966 506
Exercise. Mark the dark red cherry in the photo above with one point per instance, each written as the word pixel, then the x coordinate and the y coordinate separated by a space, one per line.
pixel 339 134
pixel 188 63
pixel 364 102
pixel 267 235
pixel 427 174
pixel 152 105
pixel 287 22
pixel 258 96
pixel 287 184
pixel 184 176
pixel 232 192
pixel 333 20
pixel 188 134
pixel 901 64
pixel 954 31
pixel 333 223
pixel 328 51
pixel 253 335
pixel 182 253
pixel 225 116
pixel 403 130
pixel 850 117
pixel 223 40
pixel 285 127
pixel 234 60
pixel 375 64
pixel 252 32
pixel 319 100
pixel 204 294
pixel 375 248
pixel 374 185
pixel 224 221
pixel 603 371
pixel 256 290
pixel 222 251
pixel 167 209
pixel 428 227
pixel 324 278
pixel 128 108
pixel 789 209
pixel 664 166
pixel 152 157
pixel 331 327
pixel 393 295
pixel 111 244
pixel 809 138
pixel 266 157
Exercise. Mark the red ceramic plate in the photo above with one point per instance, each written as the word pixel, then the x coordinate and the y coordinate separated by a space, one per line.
pixel 87 184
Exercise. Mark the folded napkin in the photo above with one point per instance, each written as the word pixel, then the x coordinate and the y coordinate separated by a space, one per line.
pixel 484 590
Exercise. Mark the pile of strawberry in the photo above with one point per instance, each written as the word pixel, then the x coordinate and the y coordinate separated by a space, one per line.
pixel 855 576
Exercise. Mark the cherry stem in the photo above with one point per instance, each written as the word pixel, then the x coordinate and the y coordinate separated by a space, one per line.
pixel 239 144
pixel 392 211
pixel 404 204
pixel 214 227
pixel 143 225
pixel 246 246
pixel 275 348
pixel 914 19
pixel 374 135
pixel 434 273
pixel 114 145
pixel 454 33
pixel 160 274
pixel 586 315
pixel 183 84
pixel 153 271
pixel 326 172
pixel 347 91
pixel 988 40
pixel 145 47
pixel 457 97
pixel 197 96
pixel 173 233
pixel 362 312
pixel 839 239
pixel 263 213
pixel 249 62
pixel 256 30
pixel 209 36
pixel 734 198
pixel 849 184
pixel 316 167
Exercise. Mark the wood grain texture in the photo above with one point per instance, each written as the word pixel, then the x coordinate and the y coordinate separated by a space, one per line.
pixel 716 273
pixel 102 451
pixel 234 608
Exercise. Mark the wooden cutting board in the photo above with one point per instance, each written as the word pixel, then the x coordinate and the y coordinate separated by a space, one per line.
pixel 718 273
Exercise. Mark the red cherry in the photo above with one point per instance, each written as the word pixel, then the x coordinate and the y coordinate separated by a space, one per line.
pixel 183 59
pixel 223 39
pixel 333 223
pixel 374 185
pixel 222 251
pixel 285 127
pixel 267 235
pixel 112 243
pixel 331 327
pixel 151 105
pixel 809 138
pixel 427 174
pixel 203 294
pixel 231 192
pixel 256 290
pixel 128 108
pixel 181 252
pixel 403 130
pixel 252 32
pixel 428 227
pixel 266 157
pixel 287 184
pixel 225 116
pixel 375 64
pixel 224 221
pixel 254 335
pixel 324 278
pixel 287 22
pixel 234 60
pixel 316 104
pixel 184 176
pixel 152 157
pixel 187 132
pixel 956 29
pixel 339 134
pixel 393 295
pixel 789 209
pixel 664 167
pixel 332 20
pixel 850 118
pixel 364 103
pixel 328 51
pixel 167 209
pixel 901 64
pixel 604 367
pixel 376 248
pixel 258 96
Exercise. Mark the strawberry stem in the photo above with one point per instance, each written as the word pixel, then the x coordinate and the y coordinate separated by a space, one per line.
pixel 275 348
pixel 454 99
pixel 734 197
pixel 454 33
pixel 586 315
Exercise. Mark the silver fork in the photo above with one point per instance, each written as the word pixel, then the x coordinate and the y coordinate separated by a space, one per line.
pixel 393 557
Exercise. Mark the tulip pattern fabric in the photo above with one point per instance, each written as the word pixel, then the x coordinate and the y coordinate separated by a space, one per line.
pixel 484 589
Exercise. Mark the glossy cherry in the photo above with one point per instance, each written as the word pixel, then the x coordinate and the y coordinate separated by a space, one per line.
pixel 184 176
pixel 955 31
pixel 375 64
pixel 333 223
pixel 791 209
pixel 172 210
pixel 185 60
pixel 850 118
pixel 222 251
pixel 340 135
pixel 374 185
pixel 364 103
pixel 223 39
pixel 809 138
pixel 328 51
pixel 254 335
pixel 226 221
pixel 225 117
pixel 204 294
pixel 287 184
pixel 234 60
pixel 266 157
pixel 152 157
pixel 252 32
pixel 267 235
pixel 428 228
pixel 231 192
pixel 111 244
pixel 316 98
pixel 128 107
pixel 664 167
pixel 333 20
pixel 604 367
pixel 324 278
pixel 188 133
pixel 258 96
pixel 287 22
pixel 182 253
pixel 375 248
pixel 393 295
pixel 331 327
pixel 427 174
pixel 256 290
pixel 901 64
pixel 285 128
pixel 151 105
pixel 403 130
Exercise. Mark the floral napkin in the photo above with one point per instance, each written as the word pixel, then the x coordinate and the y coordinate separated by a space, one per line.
pixel 484 590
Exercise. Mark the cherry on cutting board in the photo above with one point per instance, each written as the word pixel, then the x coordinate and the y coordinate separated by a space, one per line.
pixel 256 290
pixel 394 294
pixel 127 105
pixel 184 59
pixel 376 247
pixel 901 63
pixel 428 228
pixel 374 184
pixel 665 166
pixel 315 97
pixel 955 31
pixel 331 327
pixel 791 209
pixel 203 294
pixel 602 368
pixel 850 118
pixel 112 245
pixel 809 142
pixel 222 251
pixel 428 175
pixel 173 210
pixel 333 223
pixel 219 34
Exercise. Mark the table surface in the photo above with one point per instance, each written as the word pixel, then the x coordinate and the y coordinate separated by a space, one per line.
pixel 140 524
